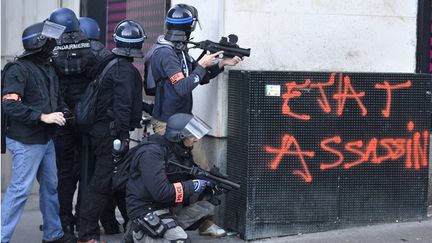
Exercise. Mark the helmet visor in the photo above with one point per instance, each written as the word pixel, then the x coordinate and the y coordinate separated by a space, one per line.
pixel 52 30
pixel 195 128
pixel 194 23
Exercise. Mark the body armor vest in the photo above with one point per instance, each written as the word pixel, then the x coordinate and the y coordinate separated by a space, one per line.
pixel 73 54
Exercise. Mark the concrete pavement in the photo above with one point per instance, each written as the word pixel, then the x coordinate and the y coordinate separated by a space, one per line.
pixel 417 232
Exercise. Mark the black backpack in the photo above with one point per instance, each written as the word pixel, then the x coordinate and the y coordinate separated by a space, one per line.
pixel 3 114
pixel 123 170
pixel 150 84
pixel 85 109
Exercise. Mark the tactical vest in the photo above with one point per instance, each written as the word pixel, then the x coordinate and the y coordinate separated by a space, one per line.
pixel 73 54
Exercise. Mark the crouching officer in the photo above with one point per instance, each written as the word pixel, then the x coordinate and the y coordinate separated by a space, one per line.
pixel 162 201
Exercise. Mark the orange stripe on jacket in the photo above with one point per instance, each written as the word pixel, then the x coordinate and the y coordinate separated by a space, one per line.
pixel 177 77
pixel 12 96
pixel 179 192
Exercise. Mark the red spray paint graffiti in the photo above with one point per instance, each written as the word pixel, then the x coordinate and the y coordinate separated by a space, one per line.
pixel 414 149
pixel 375 150
pixel 345 91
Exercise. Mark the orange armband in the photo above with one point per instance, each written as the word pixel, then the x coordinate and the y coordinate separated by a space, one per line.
pixel 179 192
pixel 177 77
pixel 11 96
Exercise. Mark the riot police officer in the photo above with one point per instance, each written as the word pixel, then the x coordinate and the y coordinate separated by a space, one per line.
pixel 162 200
pixel 175 71
pixel 118 111
pixel 72 59
pixel 33 105
pixel 102 55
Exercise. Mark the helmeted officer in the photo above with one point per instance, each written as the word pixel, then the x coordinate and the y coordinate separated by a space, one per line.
pixel 72 59
pixel 33 105
pixel 118 111
pixel 162 191
pixel 174 70
pixel 91 30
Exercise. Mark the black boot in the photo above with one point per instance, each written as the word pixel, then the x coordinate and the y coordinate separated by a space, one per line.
pixel 66 238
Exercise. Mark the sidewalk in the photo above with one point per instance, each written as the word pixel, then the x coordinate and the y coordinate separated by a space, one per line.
pixel 419 232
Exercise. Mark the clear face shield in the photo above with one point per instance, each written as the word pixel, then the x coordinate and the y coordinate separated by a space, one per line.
pixel 196 128
pixel 194 23
pixel 52 30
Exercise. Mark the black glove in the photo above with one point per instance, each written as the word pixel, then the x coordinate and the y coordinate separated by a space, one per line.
pixel 211 194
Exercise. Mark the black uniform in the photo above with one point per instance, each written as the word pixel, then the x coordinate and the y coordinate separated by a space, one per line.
pixel 108 218
pixel 119 107
pixel 38 86
pixel 72 58
pixel 153 189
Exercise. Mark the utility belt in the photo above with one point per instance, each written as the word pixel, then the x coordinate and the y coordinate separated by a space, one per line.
pixel 153 225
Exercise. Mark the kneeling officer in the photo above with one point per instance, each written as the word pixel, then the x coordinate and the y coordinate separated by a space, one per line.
pixel 163 192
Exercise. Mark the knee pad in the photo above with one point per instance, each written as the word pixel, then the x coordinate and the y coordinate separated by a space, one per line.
pixel 151 225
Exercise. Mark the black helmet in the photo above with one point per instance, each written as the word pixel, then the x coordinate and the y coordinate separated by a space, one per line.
pixel 182 125
pixel 65 17
pixel 32 39
pixel 182 17
pixel 40 37
pixel 181 20
pixel 90 28
pixel 128 37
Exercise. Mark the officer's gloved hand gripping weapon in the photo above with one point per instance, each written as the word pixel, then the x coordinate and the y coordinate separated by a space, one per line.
pixel 219 183
pixel 226 44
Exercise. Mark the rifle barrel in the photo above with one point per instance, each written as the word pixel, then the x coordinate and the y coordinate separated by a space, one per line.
pixel 208 175
pixel 223 181
pixel 215 47
pixel 234 51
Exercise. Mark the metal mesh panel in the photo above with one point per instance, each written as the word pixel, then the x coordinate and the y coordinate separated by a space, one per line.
pixel 330 150
pixel 238 127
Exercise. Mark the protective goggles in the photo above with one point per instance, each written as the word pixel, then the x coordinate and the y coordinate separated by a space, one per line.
pixel 52 30
pixel 195 128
